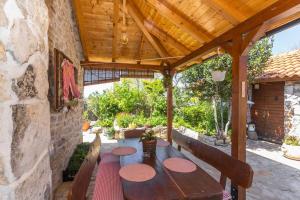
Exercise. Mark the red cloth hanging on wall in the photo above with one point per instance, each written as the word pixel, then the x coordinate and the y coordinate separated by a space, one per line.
pixel 69 80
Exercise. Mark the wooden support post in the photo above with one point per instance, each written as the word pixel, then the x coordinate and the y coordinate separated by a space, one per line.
pixel 239 108
pixel 170 109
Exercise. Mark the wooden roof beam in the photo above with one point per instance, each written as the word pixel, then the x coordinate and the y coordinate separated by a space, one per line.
pixel 230 13
pixel 139 20
pixel 180 20
pixel 79 18
pixel 273 13
pixel 140 50
pixel 115 65
pixel 165 37
pixel 115 29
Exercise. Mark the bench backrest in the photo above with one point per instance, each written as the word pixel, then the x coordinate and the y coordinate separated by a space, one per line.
pixel 82 179
pixel 133 133
pixel 240 173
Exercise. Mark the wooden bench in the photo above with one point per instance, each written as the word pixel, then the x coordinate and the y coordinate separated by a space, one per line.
pixel 134 133
pixel 240 173
pixel 82 179
pixel 108 184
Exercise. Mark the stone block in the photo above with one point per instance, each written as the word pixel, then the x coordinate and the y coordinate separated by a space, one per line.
pixel 19 31
pixel 37 186
pixel 288 89
pixel 24 86
pixel 3 19
pixel 31 135
pixel 2 51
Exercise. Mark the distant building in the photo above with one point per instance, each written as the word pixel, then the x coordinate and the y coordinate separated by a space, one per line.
pixel 276 96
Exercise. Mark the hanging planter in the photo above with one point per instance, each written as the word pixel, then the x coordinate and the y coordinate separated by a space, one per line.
pixel 167 80
pixel 218 75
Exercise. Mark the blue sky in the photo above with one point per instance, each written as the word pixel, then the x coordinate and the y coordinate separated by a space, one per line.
pixel 287 40
pixel 284 41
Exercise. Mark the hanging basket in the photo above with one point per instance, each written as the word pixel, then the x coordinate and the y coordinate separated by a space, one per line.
pixel 218 75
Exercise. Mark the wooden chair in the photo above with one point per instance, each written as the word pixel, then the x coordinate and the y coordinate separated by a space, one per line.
pixel 83 176
pixel 240 173
pixel 133 133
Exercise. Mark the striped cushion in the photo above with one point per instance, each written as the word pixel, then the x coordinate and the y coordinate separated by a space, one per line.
pixel 109 157
pixel 226 195
pixel 108 185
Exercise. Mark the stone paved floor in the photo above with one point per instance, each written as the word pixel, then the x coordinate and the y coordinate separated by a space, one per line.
pixel 275 177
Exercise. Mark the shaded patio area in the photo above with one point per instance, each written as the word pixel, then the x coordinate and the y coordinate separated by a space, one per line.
pixel 275 177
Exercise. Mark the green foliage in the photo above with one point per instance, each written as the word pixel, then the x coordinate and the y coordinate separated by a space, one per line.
pixel 106 122
pixel 124 119
pixel 292 140
pixel 111 132
pixel 77 158
pixel 157 120
pixel 148 136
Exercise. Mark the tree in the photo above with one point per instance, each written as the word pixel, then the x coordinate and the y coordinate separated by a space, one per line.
pixel 198 80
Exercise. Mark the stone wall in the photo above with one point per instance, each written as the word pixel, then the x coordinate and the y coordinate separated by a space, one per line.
pixel 292 108
pixel 25 171
pixel 65 126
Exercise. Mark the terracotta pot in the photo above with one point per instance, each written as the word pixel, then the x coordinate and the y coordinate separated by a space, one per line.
pixel 85 126
pixel 291 152
pixel 149 146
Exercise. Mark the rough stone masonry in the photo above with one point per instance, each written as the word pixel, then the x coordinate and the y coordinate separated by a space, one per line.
pixel 24 106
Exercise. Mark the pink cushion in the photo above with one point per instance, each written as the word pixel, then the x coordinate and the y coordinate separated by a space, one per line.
pixel 109 157
pixel 108 185
pixel 226 195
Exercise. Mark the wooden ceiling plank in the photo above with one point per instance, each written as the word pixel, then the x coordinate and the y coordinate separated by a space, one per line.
pixel 276 12
pixel 230 13
pixel 165 37
pixel 115 29
pixel 180 20
pixel 139 20
pixel 79 18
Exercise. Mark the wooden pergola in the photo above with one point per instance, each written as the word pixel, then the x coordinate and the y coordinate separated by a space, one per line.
pixel 168 36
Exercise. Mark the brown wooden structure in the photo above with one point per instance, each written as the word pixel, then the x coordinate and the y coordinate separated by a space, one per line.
pixel 268 111
pixel 82 179
pixel 170 35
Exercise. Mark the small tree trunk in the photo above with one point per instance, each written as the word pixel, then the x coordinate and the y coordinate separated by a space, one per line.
pixel 229 118
pixel 216 116
pixel 222 117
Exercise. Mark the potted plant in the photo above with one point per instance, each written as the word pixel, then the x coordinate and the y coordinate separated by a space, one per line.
pixel 291 147
pixel 110 133
pixel 219 71
pixel 149 142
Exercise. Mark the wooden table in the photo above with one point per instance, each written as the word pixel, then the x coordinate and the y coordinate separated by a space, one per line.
pixel 167 184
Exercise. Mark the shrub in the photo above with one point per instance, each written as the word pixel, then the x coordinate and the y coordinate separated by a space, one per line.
pixel 140 120
pixel 292 140
pixel 77 159
pixel 124 119
pixel 111 133
pixel 107 122
pixel 157 120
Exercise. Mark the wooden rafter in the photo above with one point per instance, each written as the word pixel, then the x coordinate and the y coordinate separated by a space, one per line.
pixel 115 65
pixel 226 9
pixel 82 33
pixel 165 37
pixel 180 20
pixel 115 29
pixel 278 10
pixel 140 49
pixel 139 20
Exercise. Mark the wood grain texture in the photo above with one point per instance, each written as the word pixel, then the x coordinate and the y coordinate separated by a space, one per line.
pixel 167 185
